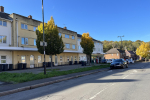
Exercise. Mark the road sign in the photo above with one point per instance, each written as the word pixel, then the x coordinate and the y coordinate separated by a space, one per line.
pixel 41 43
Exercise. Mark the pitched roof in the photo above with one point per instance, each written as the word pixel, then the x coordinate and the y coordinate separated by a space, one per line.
pixel 5 16
pixel 114 50
pixel 131 52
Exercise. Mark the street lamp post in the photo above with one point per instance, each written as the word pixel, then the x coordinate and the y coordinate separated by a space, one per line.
pixel 121 40
pixel 43 38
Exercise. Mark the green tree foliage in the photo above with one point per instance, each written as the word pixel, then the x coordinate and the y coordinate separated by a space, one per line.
pixel 87 44
pixel 55 44
pixel 129 45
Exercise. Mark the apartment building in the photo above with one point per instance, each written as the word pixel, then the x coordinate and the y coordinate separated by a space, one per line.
pixel 5 37
pixel 18 42
pixel 24 41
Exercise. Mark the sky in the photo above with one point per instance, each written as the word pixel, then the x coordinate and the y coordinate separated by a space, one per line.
pixel 103 19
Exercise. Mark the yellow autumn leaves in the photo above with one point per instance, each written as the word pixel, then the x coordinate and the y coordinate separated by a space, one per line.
pixel 143 50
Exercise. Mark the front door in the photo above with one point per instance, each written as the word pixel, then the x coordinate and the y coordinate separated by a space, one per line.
pixel 56 62
pixel 31 61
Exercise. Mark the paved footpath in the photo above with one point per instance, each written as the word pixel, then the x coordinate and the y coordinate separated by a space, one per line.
pixel 117 84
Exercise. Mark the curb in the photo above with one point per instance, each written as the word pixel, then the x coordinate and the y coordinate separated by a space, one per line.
pixel 45 83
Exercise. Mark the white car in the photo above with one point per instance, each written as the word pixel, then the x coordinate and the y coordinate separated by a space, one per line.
pixel 110 60
pixel 130 61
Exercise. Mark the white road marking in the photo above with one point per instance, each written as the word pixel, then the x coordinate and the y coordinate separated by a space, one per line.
pixel 101 91
pixel 135 71
pixel 125 76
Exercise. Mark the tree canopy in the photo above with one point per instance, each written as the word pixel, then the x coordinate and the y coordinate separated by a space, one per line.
pixel 129 45
pixel 143 50
pixel 55 44
pixel 87 43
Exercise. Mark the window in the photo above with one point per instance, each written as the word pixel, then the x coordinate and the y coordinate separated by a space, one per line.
pixel 39 59
pixel 60 34
pixel 3 39
pixel 24 26
pixel 72 37
pixel 34 28
pixel 4 23
pixel 67 46
pixel 0 22
pixel 95 43
pixel 66 36
pixel 98 43
pixel 60 58
pixel 75 58
pixel 3 59
pixel 34 42
pixel 79 39
pixel 73 46
pixel 98 49
pixel 79 47
pixel 23 59
pixel 24 41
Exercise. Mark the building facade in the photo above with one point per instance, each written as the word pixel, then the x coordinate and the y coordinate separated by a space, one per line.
pixel 18 42
pixel 5 37
pixel 97 51
pixel 115 53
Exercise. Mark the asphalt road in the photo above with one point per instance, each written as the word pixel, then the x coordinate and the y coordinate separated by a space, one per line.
pixel 118 84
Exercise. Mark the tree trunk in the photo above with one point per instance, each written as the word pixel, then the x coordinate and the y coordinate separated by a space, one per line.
pixel 51 61
pixel 89 59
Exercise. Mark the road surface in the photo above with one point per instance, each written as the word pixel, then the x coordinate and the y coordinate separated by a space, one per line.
pixel 132 83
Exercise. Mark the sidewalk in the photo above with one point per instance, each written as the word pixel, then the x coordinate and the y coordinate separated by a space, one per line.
pixel 40 70
pixel 13 88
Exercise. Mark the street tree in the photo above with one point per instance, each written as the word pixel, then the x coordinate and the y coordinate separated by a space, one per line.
pixel 87 44
pixel 55 43
pixel 143 50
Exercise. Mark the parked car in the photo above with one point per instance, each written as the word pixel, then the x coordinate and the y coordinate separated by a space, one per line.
pixel 119 63
pixel 130 61
pixel 110 60
pixel 104 61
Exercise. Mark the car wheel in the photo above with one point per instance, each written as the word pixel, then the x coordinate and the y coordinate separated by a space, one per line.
pixel 123 66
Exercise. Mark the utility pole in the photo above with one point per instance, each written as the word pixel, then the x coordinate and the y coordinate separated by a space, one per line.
pixel 43 38
pixel 121 40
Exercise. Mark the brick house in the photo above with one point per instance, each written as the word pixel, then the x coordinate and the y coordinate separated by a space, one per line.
pixel 115 53
pixel 131 54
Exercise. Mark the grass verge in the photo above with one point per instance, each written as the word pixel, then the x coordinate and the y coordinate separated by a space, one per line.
pixel 24 77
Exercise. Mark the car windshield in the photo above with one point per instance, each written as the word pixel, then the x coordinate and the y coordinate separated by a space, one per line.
pixel 118 60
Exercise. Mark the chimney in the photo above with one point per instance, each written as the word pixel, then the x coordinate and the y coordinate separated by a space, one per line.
pixel 65 27
pixel 1 9
pixel 30 16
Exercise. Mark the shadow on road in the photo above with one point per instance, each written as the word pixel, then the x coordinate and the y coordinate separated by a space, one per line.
pixel 94 78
